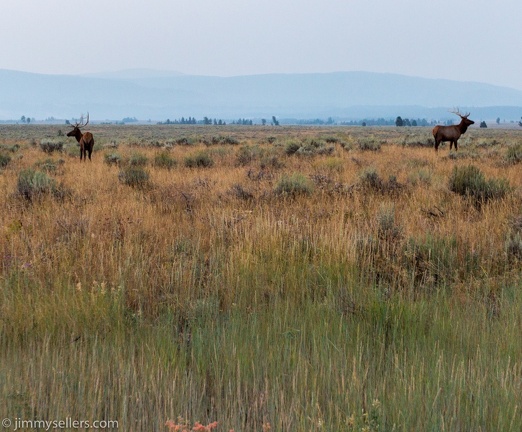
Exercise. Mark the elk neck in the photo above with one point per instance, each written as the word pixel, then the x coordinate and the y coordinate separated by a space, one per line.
pixel 463 126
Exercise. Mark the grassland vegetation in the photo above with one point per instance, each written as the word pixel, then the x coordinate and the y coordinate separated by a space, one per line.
pixel 201 159
pixel 52 145
pixel 112 158
pixel 4 160
pixel 514 154
pixel 355 288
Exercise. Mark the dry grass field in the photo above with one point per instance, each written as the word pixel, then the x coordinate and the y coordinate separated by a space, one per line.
pixel 291 278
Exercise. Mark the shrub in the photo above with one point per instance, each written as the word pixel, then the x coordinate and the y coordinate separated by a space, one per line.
pixel 387 226
pixel 134 176
pixel 4 160
pixel 164 160
pixel 138 160
pixel 217 140
pixel 224 140
pixel 314 147
pixel 184 141
pixel 202 160
pixel 240 192
pixel 417 141
pixel 514 154
pixel 292 147
pixel 294 184
pixel 49 165
pixel 247 154
pixel 470 182
pixel 112 159
pixel 433 260
pixel 10 148
pixel 514 247
pixel 50 146
pixel 33 184
pixel 514 240
pixel 270 161
pixel 371 144
pixel 370 179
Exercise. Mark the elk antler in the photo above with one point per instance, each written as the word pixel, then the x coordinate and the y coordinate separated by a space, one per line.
pixel 457 112
pixel 87 122
pixel 80 124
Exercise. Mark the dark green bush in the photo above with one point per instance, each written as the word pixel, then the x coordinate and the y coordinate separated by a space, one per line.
pixel 10 148
pixel 164 160
pixel 470 182
pixel 431 261
pixel 33 184
pixel 514 154
pixel 4 160
pixel 369 144
pixel 315 147
pixel 50 146
pixel 514 240
pixel 292 147
pixel 240 192
pixel 184 141
pixel 247 154
pixel 134 176
pixel 270 161
pixel 294 184
pixel 370 179
pixel 224 140
pixel 138 160
pixel 199 160
pixel 220 140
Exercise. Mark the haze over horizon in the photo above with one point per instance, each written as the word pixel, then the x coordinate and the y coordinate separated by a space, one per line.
pixel 448 40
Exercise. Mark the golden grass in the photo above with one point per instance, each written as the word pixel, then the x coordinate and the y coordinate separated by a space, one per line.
pixel 207 295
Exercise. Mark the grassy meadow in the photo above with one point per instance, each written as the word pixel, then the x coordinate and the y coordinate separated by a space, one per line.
pixel 267 278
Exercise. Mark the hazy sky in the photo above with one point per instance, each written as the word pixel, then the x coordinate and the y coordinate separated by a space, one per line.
pixel 464 40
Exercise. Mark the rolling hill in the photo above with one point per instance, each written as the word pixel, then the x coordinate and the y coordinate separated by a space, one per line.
pixel 158 95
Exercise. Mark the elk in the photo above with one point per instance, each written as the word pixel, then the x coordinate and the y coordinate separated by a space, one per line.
pixel 452 133
pixel 85 139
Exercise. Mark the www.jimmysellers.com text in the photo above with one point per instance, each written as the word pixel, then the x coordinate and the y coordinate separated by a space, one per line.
pixel 68 423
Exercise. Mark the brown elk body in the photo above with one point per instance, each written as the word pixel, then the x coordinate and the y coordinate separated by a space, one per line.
pixel 451 133
pixel 85 139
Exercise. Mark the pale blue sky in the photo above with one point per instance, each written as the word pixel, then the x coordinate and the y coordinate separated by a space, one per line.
pixel 463 40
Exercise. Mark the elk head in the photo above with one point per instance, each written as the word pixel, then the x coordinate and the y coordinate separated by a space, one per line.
pixel 76 132
pixel 464 120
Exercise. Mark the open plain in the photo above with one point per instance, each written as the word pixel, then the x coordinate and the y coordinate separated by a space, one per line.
pixel 292 278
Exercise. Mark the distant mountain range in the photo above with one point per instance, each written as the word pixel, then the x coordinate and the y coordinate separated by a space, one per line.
pixel 160 95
